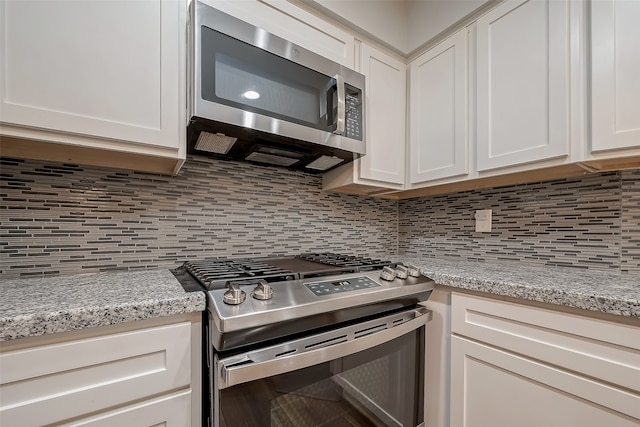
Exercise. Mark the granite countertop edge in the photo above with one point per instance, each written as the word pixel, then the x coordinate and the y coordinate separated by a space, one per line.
pixel 593 290
pixel 42 306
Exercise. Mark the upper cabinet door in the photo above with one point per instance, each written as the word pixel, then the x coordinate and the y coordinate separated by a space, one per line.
pixel 108 70
pixel 386 95
pixel 523 88
pixel 615 74
pixel 438 131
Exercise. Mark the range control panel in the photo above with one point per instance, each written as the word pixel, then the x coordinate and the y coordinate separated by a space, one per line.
pixel 342 285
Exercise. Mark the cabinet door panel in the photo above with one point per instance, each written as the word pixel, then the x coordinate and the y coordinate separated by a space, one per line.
pixel 523 83
pixel 56 382
pixel 386 117
pixel 105 69
pixel 615 66
pixel 168 411
pixel 491 387
pixel 603 350
pixel 438 132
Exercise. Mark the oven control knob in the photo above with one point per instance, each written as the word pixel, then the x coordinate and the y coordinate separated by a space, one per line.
pixel 413 270
pixel 234 295
pixel 402 272
pixel 388 274
pixel 263 291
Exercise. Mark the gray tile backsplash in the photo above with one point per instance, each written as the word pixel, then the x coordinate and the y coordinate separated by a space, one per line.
pixel 64 219
pixel 61 219
pixel 587 222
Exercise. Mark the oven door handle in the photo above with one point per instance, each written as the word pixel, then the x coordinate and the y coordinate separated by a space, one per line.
pixel 249 367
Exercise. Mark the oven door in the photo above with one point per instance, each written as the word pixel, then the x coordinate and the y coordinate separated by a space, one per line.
pixel 365 374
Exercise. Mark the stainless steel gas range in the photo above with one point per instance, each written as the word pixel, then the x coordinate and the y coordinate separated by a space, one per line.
pixel 312 340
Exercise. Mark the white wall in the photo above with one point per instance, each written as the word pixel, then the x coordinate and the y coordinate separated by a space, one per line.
pixel 381 19
pixel 403 25
pixel 428 18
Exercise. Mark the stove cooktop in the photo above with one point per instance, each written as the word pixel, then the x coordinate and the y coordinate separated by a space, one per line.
pixel 252 300
pixel 218 273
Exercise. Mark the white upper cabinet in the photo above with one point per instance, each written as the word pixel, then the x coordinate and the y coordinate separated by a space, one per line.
pixel 615 75
pixel 294 24
pixel 99 74
pixel 438 106
pixel 386 88
pixel 523 83
pixel 383 167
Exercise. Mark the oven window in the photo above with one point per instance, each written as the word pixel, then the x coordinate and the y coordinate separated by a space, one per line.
pixel 381 386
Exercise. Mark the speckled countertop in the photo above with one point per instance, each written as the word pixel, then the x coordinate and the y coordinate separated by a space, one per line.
pixel 602 291
pixel 32 307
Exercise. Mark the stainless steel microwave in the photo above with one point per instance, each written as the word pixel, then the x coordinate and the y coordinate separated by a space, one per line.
pixel 256 97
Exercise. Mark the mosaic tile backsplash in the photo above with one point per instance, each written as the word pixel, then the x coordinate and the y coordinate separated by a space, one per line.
pixel 65 219
pixel 588 222
pixel 59 219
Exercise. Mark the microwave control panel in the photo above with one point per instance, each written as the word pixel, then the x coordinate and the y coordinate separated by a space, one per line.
pixel 353 104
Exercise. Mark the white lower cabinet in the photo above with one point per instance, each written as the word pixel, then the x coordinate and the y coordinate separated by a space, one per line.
pixel 513 364
pixel 141 376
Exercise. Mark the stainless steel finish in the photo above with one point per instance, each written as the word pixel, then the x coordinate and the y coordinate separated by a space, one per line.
pixel 308 351
pixel 294 300
pixel 388 274
pixel 402 272
pixel 262 291
pixel 342 108
pixel 413 270
pixel 234 295
pixel 203 14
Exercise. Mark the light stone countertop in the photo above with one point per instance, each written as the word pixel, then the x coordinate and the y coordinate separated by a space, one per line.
pixel 602 291
pixel 39 306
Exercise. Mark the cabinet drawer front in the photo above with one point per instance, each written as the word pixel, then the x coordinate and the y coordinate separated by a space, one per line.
pixel 169 411
pixel 601 349
pixel 56 382
pixel 492 387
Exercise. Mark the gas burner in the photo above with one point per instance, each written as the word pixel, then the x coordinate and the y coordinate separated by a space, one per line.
pixel 339 260
pixel 217 273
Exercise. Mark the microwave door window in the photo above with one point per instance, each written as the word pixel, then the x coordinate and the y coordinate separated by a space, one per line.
pixel 240 75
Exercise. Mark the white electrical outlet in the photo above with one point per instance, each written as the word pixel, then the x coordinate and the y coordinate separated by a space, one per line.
pixel 483 221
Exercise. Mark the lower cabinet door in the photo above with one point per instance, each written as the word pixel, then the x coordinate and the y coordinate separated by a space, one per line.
pixel 67 380
pixel 493 387
pixel 172 410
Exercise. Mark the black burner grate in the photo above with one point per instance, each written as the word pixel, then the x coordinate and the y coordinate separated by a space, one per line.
pixel 215 273
pixel 339 260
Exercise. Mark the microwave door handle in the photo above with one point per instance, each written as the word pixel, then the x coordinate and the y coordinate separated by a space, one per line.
pixel 341 119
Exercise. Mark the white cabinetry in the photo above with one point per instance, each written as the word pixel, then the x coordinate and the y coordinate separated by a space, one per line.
pixel 615 67
pixel 383 167
pixel 100 75
pixel 438 105
pixel 107 376
pixel 513 364
pixel 523 83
